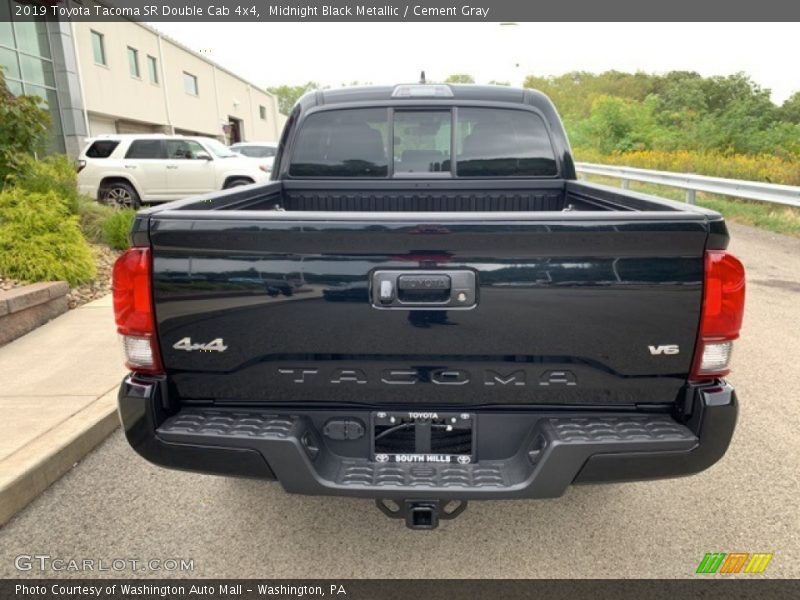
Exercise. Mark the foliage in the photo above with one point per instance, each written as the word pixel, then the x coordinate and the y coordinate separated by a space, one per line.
pixel 460 78
pixel 23 128
pixel 618 125
pixel 790 111
pixel 288 95
pixel 100 224
pixel 680 110
pixel 92 215
pixel 573 93
pixel 54 173
pixel 116 227
pixel 764 167
pixel 40 240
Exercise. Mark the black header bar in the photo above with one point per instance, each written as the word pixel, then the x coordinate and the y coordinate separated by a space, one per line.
pixel 414 10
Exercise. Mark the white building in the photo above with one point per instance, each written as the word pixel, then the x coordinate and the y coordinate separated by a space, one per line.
pixel 126 77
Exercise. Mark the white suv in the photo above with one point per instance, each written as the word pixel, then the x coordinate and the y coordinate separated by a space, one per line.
pixel 127 170
pixel 265 151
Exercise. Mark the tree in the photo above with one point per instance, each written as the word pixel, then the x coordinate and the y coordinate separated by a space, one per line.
pixel 23 128
pixel 790 110
pixel 288 95
pixel 574 92
pixel 460 78
pixel 619 125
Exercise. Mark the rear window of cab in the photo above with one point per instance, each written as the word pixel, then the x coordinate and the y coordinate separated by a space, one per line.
pixel 379 143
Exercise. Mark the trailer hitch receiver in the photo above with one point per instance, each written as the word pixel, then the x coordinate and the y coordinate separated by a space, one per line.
pixel 421 514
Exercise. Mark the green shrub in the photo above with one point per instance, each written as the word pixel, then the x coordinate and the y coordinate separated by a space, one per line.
pixel 54 173
pixel 92 216
pixel 116 228
pixel 40 240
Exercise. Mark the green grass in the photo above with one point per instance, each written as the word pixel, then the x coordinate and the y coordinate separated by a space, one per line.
pixel 772 217
pixel 116 227
pixel 92 215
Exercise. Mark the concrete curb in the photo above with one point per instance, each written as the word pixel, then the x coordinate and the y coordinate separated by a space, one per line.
pixel 26 308
pixel 29 471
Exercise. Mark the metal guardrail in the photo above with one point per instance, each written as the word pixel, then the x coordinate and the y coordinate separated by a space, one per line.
pixel 787 195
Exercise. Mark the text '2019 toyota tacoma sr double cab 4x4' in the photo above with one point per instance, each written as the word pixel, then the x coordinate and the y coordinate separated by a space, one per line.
pixel 425 306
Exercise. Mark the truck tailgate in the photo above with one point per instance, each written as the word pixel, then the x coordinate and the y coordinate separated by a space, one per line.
pixel 258 310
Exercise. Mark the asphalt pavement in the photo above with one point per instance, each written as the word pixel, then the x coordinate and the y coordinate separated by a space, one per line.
pixel 114 505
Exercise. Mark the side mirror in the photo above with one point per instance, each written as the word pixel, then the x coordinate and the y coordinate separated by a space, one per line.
pixel 202 156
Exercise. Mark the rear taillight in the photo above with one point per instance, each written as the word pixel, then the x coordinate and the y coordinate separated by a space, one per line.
pixel 133 311
pixel 721 319
pixel 80 165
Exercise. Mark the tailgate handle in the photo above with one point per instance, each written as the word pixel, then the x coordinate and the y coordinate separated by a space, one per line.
pixel 429 290
pixel 423 289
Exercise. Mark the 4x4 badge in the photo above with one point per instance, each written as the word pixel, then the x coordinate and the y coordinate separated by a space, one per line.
pixel 216 345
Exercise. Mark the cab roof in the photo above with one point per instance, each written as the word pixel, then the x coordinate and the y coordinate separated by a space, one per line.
pixel 458 92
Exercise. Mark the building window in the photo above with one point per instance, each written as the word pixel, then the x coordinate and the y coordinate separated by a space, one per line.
pixel 9 63
pixel 133 62
pixel 38 71
pixel 6 31
pixel 27 66
pixel 190 84
pixel 32 38
pixel 152 69
pixel 262 111
pixel 99 48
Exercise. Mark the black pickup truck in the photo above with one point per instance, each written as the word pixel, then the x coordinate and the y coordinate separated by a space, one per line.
pixel 426 306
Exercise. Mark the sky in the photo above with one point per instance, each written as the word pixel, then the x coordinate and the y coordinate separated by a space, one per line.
pixel 387 53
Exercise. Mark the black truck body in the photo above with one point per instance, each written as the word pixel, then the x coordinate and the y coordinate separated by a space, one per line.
pixel 419 336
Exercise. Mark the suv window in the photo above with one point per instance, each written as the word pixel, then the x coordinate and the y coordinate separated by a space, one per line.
pixel 255 151
pixel 494 142
pixel 101 149
pixel 146 149
pixel 343 143
pixel 221 150
pixel 184 149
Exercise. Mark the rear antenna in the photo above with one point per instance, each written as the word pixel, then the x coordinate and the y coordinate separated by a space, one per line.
pixel 422 77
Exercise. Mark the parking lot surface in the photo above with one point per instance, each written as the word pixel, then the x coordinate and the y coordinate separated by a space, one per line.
pixel 114 505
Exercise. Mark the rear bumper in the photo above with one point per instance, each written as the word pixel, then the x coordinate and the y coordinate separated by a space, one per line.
pixel 521 454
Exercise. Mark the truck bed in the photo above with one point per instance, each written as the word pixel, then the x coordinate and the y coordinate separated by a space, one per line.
pixel 432 196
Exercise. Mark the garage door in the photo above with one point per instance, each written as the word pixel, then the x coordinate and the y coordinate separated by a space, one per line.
pixel 101 126
pixel 132 127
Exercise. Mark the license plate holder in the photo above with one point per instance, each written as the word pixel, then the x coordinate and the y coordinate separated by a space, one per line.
pixel 423 437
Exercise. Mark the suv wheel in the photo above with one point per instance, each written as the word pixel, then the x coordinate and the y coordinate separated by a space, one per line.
pixel 236 182
pixel 120 195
